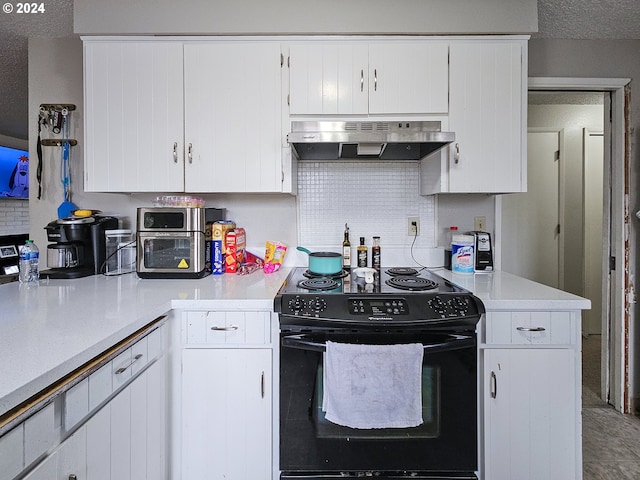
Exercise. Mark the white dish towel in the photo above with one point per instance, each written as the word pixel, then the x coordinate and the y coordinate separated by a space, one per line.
pixel 373 386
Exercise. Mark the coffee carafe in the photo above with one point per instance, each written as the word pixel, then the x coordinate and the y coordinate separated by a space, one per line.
pixel 78 248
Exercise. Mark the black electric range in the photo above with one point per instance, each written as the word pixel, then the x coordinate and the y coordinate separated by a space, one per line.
pixel 398 296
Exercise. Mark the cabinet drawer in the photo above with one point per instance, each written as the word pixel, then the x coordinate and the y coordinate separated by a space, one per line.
pixel 530 328
pixel 216 328
pixel 76 404
pixel 12 452
pixel 41 431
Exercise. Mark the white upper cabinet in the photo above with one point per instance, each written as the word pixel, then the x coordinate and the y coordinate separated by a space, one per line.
pixel 133 116
pixel 487 113
pixel 361 78
pixel 174 116
pixel 408 77
pixel 328 78
pixel 233 117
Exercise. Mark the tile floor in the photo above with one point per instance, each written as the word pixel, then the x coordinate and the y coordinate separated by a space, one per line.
pixel 610 440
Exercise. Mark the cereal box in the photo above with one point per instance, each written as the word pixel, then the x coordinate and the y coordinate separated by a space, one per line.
pixel 218 234
pixel 235 243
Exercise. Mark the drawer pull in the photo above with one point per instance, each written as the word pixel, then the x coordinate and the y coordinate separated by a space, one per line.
pixel 494 385
pixel 124 369
pixel 230 328
pixel 531 329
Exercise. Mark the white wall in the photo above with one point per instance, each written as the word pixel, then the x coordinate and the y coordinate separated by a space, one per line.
pixel 604 59
pixel 305 17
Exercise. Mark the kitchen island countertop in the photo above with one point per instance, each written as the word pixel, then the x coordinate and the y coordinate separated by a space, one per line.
pixel 503 291
pixel 50 329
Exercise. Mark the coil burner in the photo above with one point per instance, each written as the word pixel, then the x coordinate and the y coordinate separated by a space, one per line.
pixel 412 283
pixel 320 283
pixel 396 271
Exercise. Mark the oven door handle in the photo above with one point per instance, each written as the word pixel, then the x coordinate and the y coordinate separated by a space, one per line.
pixel 301 342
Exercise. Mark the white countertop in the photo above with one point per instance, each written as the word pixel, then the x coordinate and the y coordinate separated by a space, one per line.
pixel 504 291
pixel 50 329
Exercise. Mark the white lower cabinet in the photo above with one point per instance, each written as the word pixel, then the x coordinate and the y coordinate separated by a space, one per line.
pixel 110 425
pixel 227 396
pixel 532 398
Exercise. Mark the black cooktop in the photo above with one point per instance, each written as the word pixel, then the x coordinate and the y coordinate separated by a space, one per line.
pixel 391 280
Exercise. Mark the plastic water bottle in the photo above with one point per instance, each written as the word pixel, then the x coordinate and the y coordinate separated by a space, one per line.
pixel 29 259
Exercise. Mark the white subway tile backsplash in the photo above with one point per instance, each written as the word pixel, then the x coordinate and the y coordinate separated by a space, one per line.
pixel 374 198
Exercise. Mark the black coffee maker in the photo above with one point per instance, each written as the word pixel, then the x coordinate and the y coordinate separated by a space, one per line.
pixel 78 248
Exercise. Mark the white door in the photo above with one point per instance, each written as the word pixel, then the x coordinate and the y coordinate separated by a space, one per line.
pixel 134 116
pixel 486 113
pixel 226 418
pixel 593 227
pixel 410 77
pixel 329 78
pixel 530 414
pixel 531 221
pixel 233 111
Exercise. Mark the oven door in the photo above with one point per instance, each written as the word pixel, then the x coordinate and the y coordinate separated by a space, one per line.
pixel 444 446
pixel 180 253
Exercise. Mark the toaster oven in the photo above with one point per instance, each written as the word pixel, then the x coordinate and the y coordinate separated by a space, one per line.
pixel 170 242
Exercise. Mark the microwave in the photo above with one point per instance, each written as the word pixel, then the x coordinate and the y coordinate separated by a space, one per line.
pixel 170 242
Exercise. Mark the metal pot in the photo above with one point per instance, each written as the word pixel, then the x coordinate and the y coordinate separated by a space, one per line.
pixel 323 263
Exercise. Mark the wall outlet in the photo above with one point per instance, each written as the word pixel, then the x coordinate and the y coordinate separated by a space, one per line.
pixel 480 223
pixel 413 226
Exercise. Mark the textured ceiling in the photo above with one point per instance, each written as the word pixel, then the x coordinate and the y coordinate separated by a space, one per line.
pixel 576 19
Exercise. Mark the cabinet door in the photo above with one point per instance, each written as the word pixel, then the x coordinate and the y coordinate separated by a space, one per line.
pixel 226 418
pixel 328 78
pixel 233 117
pixel 409 77
pixel 531 413
pixel 134 116
pixel 67 460
pixel 487 113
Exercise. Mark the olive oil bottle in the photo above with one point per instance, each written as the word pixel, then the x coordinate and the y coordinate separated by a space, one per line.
pixel 346 249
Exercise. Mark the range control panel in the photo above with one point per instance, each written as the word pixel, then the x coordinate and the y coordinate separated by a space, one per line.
pixel 407 308
pixel 378 306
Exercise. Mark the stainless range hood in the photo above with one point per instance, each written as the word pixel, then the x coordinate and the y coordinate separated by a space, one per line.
pixel 406 140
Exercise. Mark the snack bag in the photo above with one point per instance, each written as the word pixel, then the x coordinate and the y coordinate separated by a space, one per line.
pixel 274 256
pixel 235 243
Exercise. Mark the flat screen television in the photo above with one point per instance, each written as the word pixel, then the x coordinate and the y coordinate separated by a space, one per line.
pixel 14 173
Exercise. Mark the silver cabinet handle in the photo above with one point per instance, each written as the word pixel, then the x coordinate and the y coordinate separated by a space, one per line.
pixel 375 79
pixel 362 83
pixel 531 329
pixel 175 152
pixel 124 369
pixel 230 328
pixel 72 477
pixel 494 385
pixel 189 153
pixel 262 384
pixel 456 154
